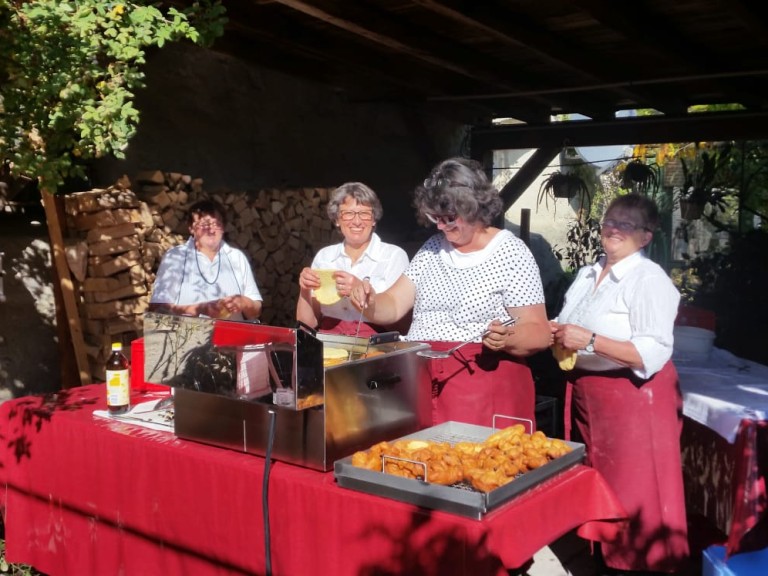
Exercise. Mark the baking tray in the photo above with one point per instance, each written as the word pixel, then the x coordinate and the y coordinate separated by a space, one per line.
pixel 455 499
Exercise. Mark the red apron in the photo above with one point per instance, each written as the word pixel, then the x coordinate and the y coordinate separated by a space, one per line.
pixel 474 384
pixel 330 325
pixel 632 435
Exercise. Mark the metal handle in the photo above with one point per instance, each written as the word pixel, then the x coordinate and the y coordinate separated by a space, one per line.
pixel 526 420
pixel 383 381
pixel 507 322
pixel 385 457
pixel 384 338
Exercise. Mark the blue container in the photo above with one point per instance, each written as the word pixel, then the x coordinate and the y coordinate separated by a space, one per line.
pixel 743 564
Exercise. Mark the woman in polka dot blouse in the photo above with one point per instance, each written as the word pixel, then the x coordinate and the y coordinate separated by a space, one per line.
pixel 470 276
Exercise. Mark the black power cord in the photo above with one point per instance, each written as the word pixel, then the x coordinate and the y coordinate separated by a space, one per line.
pixel 265 493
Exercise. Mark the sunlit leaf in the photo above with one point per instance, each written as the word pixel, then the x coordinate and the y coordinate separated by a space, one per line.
pixel 69 72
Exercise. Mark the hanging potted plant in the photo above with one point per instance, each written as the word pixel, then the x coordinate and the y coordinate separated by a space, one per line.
pixel 639 176
pixel 692 204
pixel 562 185
pixel 699 178
pixel 565 185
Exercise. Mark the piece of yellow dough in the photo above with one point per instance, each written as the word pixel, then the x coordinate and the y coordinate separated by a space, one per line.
pixel 327 293
pixel 333 356
pixel 566 359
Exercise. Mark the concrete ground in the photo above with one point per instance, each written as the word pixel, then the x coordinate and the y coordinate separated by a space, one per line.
pixel 568 556
pixel 571 555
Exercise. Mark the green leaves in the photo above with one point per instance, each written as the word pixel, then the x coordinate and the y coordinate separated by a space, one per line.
pixel 583 244
pixel 69 71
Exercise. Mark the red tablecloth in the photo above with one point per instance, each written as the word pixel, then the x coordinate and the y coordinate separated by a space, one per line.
pixel 87 495
pixel 726 483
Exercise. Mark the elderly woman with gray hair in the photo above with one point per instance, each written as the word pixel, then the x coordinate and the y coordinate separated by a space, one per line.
pixel 466 280
pixel 354 209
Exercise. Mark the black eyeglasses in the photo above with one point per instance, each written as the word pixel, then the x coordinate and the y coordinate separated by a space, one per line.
pixel 447 220
pixel 349 215
pixel 622 225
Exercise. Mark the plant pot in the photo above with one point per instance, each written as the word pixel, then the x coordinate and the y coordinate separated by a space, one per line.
pixel 564 190
pixel 691 210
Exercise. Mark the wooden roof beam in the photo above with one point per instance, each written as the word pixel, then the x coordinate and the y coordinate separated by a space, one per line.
pixel 411 42
pixel 646 130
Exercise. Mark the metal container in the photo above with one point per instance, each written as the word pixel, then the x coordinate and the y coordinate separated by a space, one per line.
pixel 291 405
pixel 461 500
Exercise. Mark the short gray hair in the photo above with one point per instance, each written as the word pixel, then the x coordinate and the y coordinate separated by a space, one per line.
pixel 645 207
pixel 458 186
pixel 360 192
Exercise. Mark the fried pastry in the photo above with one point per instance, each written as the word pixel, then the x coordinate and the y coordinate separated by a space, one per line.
pixel 486 465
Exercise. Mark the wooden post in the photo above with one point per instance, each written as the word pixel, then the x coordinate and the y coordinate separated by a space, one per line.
pixel 525 226
pixel 61 270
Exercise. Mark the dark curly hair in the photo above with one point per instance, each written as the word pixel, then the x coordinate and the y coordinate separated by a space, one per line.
pixel 206 208
pixel 458 186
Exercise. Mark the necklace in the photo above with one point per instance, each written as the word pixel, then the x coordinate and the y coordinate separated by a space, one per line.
pixel 218 270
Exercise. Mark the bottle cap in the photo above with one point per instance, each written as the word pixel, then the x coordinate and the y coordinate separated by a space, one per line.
pixel 117 346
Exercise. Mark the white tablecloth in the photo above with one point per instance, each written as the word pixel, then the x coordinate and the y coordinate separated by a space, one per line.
pixel 722 390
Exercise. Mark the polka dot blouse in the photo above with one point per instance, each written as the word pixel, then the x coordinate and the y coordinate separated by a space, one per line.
pixel 459 294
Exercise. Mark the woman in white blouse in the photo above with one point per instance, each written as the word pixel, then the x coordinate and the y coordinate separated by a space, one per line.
pixel 470 276
pixel 623 398
pixel 354 209
pixel 206 276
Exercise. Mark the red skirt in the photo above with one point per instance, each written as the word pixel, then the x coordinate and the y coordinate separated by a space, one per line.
pixel 474 384
pixel 631 430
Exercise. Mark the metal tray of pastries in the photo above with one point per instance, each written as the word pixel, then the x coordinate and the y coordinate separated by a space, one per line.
pixel 459 468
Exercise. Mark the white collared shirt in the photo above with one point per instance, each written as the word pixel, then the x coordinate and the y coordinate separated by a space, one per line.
pixel 636 301
pixel 186 276
pixel 381 262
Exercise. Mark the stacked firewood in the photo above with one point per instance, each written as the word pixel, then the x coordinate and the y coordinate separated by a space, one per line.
pixel 105 232
pixel 117 237
pixel 280 230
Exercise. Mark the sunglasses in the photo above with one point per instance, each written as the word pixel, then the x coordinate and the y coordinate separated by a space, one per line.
pixel 208 225
pixel 447 220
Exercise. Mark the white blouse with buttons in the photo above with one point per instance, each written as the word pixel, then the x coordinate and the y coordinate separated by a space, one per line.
pixel 636 301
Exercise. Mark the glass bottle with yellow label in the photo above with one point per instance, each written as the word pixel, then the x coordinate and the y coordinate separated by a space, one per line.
pixel 118 381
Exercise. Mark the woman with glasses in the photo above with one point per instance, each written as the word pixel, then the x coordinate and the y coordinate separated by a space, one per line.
pixel 467 278
pixel 625 402
pixel 206 276
pixel 354 209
